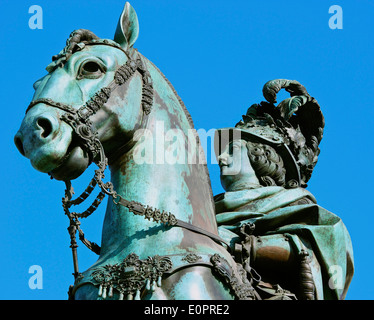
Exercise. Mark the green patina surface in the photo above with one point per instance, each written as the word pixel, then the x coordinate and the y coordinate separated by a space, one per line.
pixel 284 227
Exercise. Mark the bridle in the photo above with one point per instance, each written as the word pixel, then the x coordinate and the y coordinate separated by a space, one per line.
pixel 79 121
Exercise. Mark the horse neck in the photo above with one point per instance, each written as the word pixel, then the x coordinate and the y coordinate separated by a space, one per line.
pixel 147 174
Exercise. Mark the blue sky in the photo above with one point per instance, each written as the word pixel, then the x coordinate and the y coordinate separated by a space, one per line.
pixel 217 54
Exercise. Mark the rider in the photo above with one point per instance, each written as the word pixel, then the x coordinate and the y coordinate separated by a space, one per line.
pixel 273 224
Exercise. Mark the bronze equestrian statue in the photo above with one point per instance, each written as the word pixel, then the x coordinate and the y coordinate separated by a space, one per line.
pixel 164 234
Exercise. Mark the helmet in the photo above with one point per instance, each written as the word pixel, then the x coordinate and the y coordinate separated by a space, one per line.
pixel 294 128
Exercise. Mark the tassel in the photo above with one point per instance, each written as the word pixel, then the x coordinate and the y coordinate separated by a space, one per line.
pixel 104 293
pixel 147 285
pixel 159 281
pixel 110 293
pixel 129 296
pixel 100 291
pixel 137 295
pixel 153 286
pixel 120 296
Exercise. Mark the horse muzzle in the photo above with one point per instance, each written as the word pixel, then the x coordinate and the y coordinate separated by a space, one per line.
pixel 48 142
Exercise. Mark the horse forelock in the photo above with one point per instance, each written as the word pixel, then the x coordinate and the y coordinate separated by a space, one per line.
pixel 78 36
pixel 77 40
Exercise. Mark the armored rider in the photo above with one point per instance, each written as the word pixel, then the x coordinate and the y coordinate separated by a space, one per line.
pixel 290 246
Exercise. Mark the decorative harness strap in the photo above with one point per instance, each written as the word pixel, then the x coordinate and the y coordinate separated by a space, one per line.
pixel 133 277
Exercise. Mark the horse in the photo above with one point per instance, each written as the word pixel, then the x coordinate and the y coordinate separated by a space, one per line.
pixel 103 102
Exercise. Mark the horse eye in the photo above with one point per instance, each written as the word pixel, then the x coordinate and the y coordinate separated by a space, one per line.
pixel 91 67
pixel 90 70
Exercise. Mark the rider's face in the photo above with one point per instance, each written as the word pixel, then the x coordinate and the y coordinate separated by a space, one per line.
pixel 235 165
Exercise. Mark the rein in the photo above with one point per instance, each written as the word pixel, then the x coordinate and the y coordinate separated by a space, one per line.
pixel 79 121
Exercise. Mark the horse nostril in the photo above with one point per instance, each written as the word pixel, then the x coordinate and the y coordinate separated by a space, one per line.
pixel 46 127
pixel 19 145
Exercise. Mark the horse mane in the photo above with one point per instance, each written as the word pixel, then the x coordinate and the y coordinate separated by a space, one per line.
pixel 190 121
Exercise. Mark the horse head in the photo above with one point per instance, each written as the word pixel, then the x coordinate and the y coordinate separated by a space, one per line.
pixel 75 103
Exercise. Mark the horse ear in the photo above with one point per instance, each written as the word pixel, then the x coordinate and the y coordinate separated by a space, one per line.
pixel 128 27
